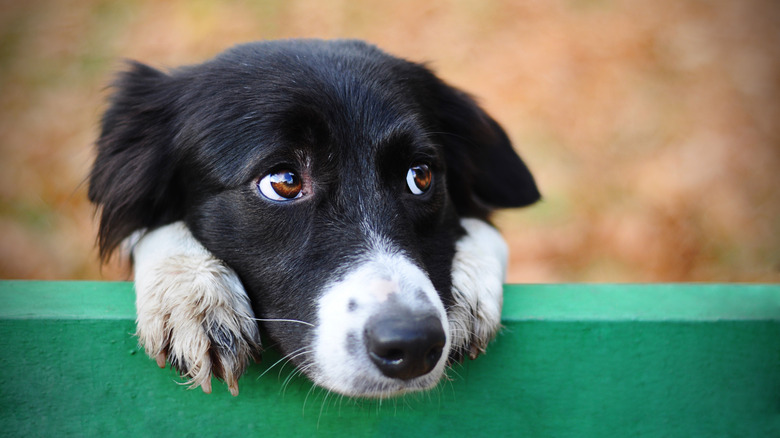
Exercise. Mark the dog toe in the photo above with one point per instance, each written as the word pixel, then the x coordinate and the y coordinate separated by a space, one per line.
pixel 200 351
pixel 194 313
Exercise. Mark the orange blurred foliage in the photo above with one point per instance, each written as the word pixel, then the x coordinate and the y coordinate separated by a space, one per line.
pixel 653 127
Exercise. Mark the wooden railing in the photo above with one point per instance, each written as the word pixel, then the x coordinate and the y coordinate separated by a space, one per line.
pixel 662 360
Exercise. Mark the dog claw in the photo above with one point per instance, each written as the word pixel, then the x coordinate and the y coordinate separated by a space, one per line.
pixel 160 358
pixel 226 358
pixel 206 386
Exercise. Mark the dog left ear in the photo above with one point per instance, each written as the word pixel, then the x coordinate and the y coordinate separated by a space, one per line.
pixel 480 158
pixel 132 179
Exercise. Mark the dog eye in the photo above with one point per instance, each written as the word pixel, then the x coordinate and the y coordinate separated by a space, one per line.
pixel 419 178
pixel 284 185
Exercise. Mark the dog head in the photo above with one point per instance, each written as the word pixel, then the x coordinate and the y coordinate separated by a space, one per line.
pixel 335 180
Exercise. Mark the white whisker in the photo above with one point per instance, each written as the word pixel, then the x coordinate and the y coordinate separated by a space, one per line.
pixel 306 399
pixel 286 359
pixel 283 320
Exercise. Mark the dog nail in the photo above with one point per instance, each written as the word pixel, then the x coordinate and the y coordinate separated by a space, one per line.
pixel 233 387
pixel 161 360
pixel 473 352
pixel 206 386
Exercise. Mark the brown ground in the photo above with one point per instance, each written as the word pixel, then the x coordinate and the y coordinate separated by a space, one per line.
pixel 653 126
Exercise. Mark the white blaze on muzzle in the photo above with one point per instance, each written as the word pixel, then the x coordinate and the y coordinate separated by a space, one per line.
pixel 382 330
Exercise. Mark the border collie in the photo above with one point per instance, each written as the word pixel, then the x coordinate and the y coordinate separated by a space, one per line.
pixel 336 194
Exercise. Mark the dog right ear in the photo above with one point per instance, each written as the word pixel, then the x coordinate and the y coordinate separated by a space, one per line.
pixel 132 178
pixel 484 171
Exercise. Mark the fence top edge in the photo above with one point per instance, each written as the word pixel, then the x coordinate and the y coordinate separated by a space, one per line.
pixel 694 302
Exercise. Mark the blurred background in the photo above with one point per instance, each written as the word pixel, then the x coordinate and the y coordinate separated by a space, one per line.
pixel 653 128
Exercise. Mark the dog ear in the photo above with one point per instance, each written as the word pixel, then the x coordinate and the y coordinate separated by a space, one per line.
pixel 484 171
pixel 132 178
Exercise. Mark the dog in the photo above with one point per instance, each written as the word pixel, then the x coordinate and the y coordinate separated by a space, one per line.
pixel 325 190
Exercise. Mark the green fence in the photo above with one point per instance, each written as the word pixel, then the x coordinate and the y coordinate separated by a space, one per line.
pixel 571 361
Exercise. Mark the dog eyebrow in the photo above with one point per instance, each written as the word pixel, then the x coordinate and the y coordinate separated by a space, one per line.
pixel 401 136
pixel 410 140
pixel 250 160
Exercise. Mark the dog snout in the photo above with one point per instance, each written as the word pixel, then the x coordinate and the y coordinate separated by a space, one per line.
pixel 404 344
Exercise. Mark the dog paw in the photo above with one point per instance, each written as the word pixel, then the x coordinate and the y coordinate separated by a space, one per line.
pixel 478 273
pixel 192 310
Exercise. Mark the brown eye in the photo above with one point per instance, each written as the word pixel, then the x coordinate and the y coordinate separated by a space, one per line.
pixel 284 185
pixel 419 178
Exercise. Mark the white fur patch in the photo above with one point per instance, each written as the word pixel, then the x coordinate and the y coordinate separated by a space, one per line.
pixel 341 362
pixel 478 273
pixel 188 303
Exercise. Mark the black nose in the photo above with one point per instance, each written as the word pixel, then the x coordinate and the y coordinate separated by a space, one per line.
pixel 404 344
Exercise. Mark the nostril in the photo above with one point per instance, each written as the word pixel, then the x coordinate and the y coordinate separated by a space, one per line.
pixel 404 345
pixel 434 354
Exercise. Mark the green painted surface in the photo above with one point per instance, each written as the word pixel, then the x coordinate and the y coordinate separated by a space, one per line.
pixel 572 361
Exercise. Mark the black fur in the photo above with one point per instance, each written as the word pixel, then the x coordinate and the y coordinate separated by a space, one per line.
pixel 190 145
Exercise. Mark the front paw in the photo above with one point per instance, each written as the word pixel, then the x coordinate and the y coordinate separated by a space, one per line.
pixel 478 272
pixel 194 312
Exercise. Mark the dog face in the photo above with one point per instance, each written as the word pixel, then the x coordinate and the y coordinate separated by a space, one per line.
pixel 336 181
